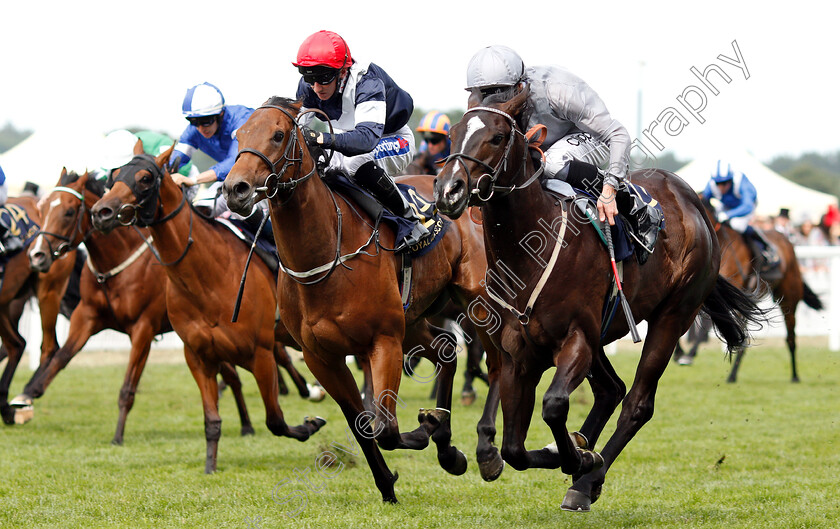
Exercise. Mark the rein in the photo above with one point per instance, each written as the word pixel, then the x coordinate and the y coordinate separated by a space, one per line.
pixel 273 185
pixel 493 173
pixel 142 204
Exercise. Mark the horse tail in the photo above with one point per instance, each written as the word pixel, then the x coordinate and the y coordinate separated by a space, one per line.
pixel 811 299
pixel 731 311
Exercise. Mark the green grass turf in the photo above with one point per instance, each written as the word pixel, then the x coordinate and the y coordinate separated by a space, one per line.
pixel 761 453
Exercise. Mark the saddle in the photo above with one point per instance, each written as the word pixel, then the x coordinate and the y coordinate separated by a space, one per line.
pixel 434 223
pixel 641 216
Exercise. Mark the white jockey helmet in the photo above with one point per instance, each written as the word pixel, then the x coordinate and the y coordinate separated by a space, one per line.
pixel 117 149
pixel 495 66
pixel 203 100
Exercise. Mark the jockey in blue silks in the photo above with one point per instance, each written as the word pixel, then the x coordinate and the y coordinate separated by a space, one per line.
pixel 738 197
pixel 8 243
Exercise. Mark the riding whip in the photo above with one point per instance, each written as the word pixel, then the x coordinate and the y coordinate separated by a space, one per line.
pixel 634 333
pixel 245 272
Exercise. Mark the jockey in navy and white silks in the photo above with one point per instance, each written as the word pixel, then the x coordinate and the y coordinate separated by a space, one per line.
pixel 738 197
pixel 579 125
pixel 369 113
pixel 212 130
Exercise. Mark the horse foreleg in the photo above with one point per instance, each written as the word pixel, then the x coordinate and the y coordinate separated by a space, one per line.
pixel 443 353
pixel 386 364
pixel 231 378
pixel 15 344
pixel 205 377
pixel 264 369
pixel 341 386
pixel 636 408
pixel 517 396
pixel 141 341
pixel 473 370
pixel 84 323
pixel 51 287
pixel 490 462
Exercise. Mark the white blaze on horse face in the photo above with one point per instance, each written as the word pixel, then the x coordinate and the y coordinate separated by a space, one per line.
pixel 473 125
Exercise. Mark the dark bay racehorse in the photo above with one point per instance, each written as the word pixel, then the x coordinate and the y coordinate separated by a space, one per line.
pixel 17 283
pixel 344 298
pixel 560 325
pixel 738 266
pixel 126 293
pixel 201 260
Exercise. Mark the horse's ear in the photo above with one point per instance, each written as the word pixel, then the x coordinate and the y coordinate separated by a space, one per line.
pixel 516 104
pixel 163 159
pixel 474 99
pixel 63 172
pixel 138 147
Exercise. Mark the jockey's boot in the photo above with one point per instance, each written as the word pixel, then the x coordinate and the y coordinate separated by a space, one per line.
pixel 9 243
pixel 644 219
pixel 766 254
pixel 375 180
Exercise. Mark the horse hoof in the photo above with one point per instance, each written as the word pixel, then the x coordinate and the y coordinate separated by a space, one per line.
pixel 492 469
pixel 685 361
pixel 596 492
pixel 454 464
pixel 579 440
pixel 467 398
pixel 434 418
pixel 316 393
pixel 246 430
pixel 315 424
pixel 590 461
pixel 24 415
pixel 116 441
pixel 21 401
pixel 576 501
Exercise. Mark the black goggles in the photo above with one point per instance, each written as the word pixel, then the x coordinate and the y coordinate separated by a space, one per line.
pixel 323 76
pixel 433 139
pixel 202 121
pixel 492 90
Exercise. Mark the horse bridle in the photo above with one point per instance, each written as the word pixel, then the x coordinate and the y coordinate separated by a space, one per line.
pixel 146 216
pixel 493 173
pixel 272 184
pixel 67 241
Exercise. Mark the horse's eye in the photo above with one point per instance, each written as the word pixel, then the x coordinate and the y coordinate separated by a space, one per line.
pixel 497 139
pixel 70 212
pixel 278 136
pixel 146 179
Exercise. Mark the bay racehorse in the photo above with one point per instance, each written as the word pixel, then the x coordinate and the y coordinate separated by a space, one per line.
pixel 17 283
pixel 121 289
pixel 341 296
pixel 787 289
pixel 201 259
pixel 420 165
pixel 555 294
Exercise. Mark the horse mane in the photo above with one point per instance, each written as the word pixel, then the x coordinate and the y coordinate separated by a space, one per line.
pixel 97 187
pixel 283 102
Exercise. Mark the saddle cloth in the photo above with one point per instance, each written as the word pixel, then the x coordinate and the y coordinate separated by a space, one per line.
pixel 402 227
pixel 624 243
pixel 20 225
pixel 265 243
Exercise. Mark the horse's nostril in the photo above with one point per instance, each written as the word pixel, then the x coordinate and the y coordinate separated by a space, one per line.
pixel 241 190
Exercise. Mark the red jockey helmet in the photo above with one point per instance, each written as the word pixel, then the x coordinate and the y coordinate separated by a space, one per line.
pixel 324 48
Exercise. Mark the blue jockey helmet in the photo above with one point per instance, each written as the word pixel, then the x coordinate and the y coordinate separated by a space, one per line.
pixel 722 173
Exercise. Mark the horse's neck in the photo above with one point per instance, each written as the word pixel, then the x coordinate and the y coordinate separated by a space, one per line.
pixel 306 226
pixel 171 237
